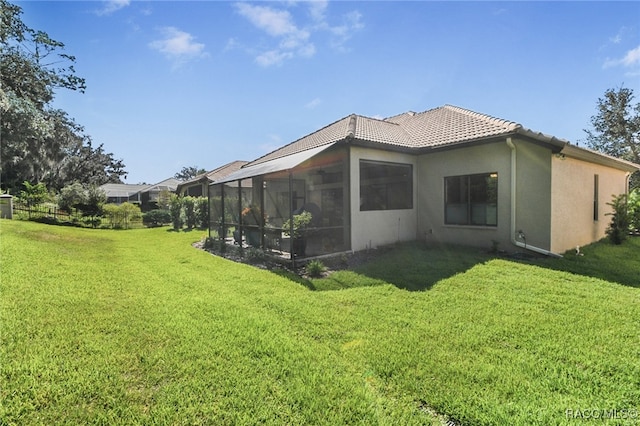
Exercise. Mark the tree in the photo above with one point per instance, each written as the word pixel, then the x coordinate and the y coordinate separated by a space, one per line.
pixel 71 197
pixel 175 207
pixel 633 209
pixel 35 194
pixel 40 143
pixel 189 172
pixel 190 216
pixel 96 199
pixel 202 212
pixel 618 228
pixel 616 128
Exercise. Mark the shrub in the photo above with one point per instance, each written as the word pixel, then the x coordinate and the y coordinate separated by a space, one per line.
pixel 155 218
pixel 189 206
pixel 619 226
pixel 633 204
pixel 35 194
pixel 210 243
pixel 254 254
pixel 175 208
pixel 72 196
pixel 202 212
pixel 123 215
pixel 300 222
pixel 96 198
pixel 315 268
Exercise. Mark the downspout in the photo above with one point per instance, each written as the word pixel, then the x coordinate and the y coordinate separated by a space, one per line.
pixel 514 181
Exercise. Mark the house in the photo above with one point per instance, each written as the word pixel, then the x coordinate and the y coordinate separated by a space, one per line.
pixel 447 174
pixel 151 194
pixel 146 196
pixel 118 193
pixel 198 186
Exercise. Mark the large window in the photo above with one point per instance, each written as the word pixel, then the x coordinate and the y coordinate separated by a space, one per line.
pixel 471 200
pixel 385 186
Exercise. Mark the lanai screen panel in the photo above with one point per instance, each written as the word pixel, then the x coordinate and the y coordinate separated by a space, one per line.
pixel 318 186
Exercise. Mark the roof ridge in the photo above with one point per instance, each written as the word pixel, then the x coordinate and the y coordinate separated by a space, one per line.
pixel 511 125
pixel 217 169
pixel 258 160
pixel 409 113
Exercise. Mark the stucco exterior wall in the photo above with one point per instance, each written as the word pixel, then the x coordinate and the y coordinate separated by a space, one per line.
pixel 533 198
pixel 370 229
pixel 432 170
pixel 573 222
pixel 533 194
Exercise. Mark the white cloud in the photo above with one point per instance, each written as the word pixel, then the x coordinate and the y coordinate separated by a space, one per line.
pixel 294 40
pixel 111 6
pixel 178 46
pixel 314 103
pixel 622 34
pixel 317 10
pixel 273 57
pixel 631 59
pixel 232 44
pixel 352 22
pixel 274 22
pixel 278 24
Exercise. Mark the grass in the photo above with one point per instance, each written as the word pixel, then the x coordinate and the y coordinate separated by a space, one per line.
pixel 418 266
pixel 137 327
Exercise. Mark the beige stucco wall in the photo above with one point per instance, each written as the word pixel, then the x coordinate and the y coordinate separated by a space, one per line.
pixel 434 167
pixel 370 229
pixel 533 198
pixel 573 223
pixel 554 198
pixel 533 194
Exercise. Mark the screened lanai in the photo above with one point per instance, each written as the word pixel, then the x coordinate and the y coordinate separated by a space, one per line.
pixel 292 207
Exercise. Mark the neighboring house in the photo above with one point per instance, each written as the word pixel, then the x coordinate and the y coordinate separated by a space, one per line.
pixel 198 186
pixel 447 174
pixel 150 195
pixel 119 193
pixel 144 195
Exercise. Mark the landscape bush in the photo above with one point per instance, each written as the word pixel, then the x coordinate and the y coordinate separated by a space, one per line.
pixel 202 212
pixel 315 268
pixel 175 208
pixel 156 218
pixel 633 206
pixel 121 216
pixel 189 207
pixel 618 228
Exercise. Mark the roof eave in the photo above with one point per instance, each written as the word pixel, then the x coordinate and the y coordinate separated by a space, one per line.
pixel 584 154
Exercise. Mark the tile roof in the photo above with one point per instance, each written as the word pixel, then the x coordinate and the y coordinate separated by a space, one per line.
pixel 213 175
pixel 122 189
pixel 169 184
pixel 446 125
pixel 225 170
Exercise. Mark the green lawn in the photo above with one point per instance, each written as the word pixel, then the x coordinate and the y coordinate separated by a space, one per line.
pixel 138 327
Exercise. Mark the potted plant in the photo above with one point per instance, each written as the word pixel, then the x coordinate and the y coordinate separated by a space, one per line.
pixel 253 218
pixel 300 223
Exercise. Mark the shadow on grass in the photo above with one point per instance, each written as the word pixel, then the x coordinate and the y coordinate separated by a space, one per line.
pixel 614 263
pixel 412 266
pixel 418 266
pixel 183 229
pixel 292 276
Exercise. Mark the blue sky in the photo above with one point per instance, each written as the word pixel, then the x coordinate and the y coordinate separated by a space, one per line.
pixel 174 84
